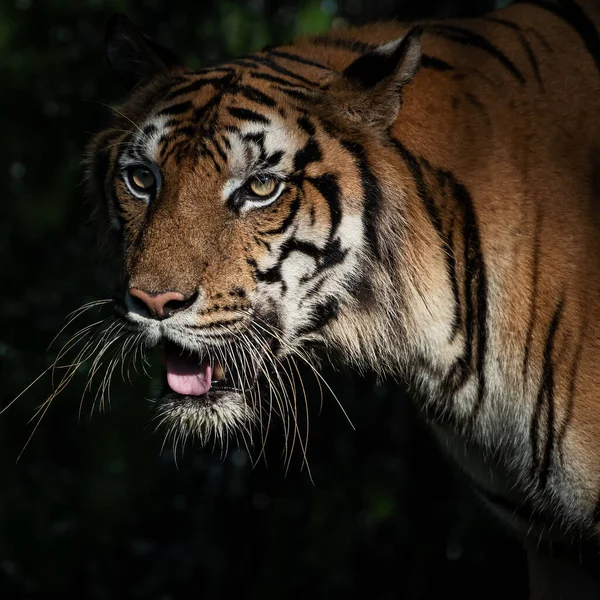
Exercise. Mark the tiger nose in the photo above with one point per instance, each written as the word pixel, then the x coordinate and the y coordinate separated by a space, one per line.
pixel 161 305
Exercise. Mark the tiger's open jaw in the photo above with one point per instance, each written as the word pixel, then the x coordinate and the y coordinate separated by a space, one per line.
pixel 203 401
pixel 195 376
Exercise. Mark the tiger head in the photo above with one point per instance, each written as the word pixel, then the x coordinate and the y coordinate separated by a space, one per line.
pixel 245 207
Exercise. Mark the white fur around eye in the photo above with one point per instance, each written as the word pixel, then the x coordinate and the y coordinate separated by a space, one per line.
pixel 252 202
pixel 145 196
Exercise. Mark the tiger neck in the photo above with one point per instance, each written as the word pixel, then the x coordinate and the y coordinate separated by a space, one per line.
pixel 408 321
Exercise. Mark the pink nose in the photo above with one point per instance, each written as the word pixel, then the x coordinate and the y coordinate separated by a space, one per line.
pixel 162 305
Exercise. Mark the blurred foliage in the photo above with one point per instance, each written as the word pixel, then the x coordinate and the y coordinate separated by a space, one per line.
pixel 95 508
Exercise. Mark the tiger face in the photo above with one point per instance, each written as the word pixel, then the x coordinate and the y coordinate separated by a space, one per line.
pixel 242 205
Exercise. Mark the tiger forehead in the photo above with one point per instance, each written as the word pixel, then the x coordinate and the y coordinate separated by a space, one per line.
pixel 232 124
pixel 210 98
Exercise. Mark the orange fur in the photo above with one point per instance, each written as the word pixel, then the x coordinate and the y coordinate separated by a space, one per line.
pixel 475 272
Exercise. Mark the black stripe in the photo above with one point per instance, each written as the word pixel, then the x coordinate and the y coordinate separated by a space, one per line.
pixel 475 102
pixel 178 147
pixel 257 138
pixel 248 61
pixel 432 62
pixel 434 216
pixel 534 296
pixel 219 150
pixel 150 130
pixel 166 150
pixel 524 42
pixel 262 242
pixel 461 35
pixel 204 151
pixel 541 464
pixel 322 313
pixel 315 285
pixel 566 422
pixel 174 123
pixel 274 159
pixel 480 106
pixel 296 94
pixel 328 187
pixel 307 125
pixel 332 254
pixel 187 131
pixel 457 320
pixel 172 136
pixel 247 114
pixel 256 96
pixel 201 113
pixel 475 290
pixel 275 79
pixel 273 274
pixel 327 257
pixel 570 12
pixel 159 93
pixel 371 194
pixel 176 109
pixel 198 85
pixel 294 245
pixel 269 64
pixel 287 221
pixel 212 71
pixel 532 59
pixel 417 174
pixel 296 58
pixel 540 38
pixel 310 153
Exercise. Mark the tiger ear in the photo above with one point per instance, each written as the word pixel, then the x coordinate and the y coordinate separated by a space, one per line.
pixel 134 57
pixel 370 89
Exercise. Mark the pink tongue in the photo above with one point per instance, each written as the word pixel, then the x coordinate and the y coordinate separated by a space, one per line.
pixel 187 378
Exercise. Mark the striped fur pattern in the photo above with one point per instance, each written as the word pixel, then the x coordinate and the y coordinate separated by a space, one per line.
pixel 435 219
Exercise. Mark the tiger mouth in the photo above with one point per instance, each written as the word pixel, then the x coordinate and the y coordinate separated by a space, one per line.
pixel 198 377
pixel 211 394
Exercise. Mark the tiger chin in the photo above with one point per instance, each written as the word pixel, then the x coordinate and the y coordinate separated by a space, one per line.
pixel 421 200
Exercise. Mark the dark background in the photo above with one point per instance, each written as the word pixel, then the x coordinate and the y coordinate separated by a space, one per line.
pixel 94 508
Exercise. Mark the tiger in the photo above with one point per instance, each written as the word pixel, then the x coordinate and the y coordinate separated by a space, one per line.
pixel 416 199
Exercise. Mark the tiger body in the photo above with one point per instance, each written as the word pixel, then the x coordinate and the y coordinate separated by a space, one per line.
pixel 436 223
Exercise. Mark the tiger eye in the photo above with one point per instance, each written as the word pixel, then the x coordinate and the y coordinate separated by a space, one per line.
pixel 142 178
pixel 262 186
